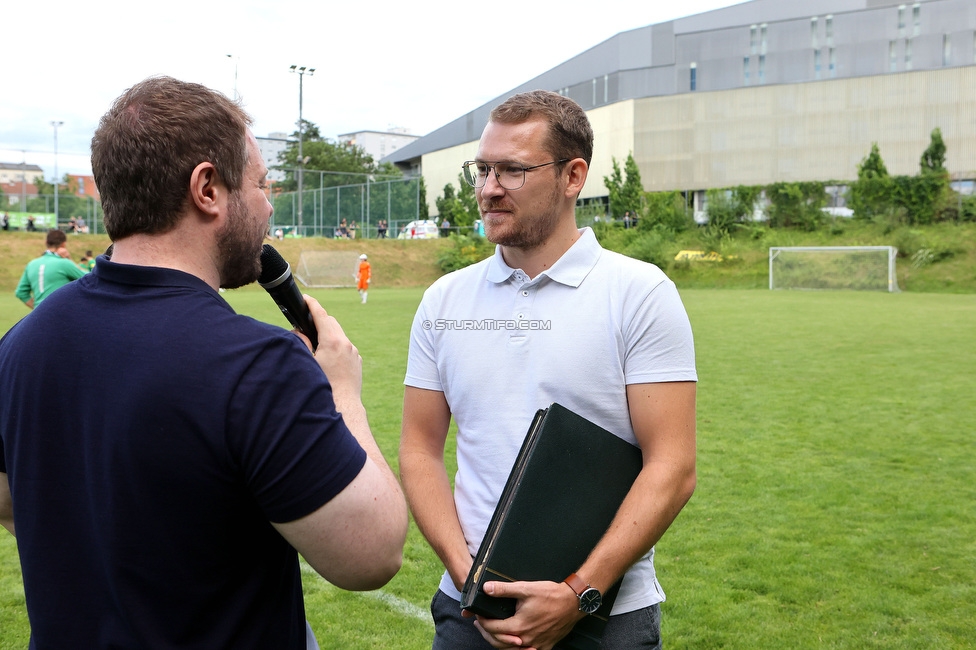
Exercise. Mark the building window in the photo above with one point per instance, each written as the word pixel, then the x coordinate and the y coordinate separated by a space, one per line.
pixel 916 19
pixel 833 63
pixel 753 47
pixel 901 21
pixel 745 70
pixel 908 54
pixel 594 92
pixel 606 89
pixel 762 68
pixel 946 49
pixel 813 32
pixel 829 28
pixel 762 38
pixel 694 76
pixel 816 64
pixel 892 56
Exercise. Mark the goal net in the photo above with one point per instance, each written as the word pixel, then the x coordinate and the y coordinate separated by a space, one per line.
pixel 865 268
pixel 323 269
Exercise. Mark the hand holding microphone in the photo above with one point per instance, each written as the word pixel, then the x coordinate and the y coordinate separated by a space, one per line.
pixel 276 278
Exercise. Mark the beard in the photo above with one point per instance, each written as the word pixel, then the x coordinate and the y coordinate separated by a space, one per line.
pixel 239 246
pixel 522 231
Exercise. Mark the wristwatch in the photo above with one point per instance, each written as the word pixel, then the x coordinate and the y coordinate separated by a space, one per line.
pixel 590 599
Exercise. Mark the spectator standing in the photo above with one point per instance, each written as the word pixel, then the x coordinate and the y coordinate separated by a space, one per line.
pixel 6 221
pixel 163 502
pixel 381 229
pixel 445 228
pixel 49 272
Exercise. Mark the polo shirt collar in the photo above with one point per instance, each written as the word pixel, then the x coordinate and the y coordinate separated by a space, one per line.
pixel 570 269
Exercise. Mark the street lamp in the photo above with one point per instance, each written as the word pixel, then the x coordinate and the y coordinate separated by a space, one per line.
pixel 56 124
pixel 301 71
pixel 235 59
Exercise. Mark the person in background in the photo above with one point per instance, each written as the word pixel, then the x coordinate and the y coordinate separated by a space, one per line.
pixel 635 376
pixel 49 272
pixel 363 277
pixel 163 502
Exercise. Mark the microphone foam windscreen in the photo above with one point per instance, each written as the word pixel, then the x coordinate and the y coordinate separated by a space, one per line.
pixel 273 265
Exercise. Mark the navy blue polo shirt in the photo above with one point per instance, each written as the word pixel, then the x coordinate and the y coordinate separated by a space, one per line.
pixel 143 494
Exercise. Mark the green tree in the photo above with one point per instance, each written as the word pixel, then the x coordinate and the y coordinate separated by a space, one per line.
pixel 460 208
pixel 624 188
pixel 632 191
pixel 934 157
pixel 614 184
pixel 346 164
pixel 870 195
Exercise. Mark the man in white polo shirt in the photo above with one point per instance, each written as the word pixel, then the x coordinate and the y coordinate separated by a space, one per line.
pixel 551 317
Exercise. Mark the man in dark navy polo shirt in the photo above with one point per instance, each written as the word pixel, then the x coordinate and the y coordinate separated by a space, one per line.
pixel 160 504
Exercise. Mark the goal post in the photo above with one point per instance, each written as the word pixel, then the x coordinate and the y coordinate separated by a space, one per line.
pixel 863 268
pixel 327 269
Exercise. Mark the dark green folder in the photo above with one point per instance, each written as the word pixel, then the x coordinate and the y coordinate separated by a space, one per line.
pixel 567 483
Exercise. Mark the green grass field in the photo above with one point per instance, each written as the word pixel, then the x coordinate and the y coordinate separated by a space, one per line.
pixel 836 500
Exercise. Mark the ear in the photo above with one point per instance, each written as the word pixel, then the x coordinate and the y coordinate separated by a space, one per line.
pixel 206 189
pixel 577 169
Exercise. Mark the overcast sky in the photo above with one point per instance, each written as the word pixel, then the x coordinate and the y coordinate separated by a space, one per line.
pixel 378 64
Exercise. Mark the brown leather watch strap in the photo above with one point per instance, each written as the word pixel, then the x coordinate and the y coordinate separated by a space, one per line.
pixel 576 584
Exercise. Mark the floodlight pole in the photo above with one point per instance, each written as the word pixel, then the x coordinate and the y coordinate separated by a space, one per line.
pixel 56 124
pixel 301 71
pixel 235 59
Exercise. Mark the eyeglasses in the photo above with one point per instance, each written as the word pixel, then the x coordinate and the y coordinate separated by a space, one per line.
pixel 509 175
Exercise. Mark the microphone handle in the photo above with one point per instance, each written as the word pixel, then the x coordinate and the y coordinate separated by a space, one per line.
pixel 292 304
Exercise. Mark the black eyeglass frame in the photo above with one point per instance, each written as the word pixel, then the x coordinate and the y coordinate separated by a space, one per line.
pixel 491 166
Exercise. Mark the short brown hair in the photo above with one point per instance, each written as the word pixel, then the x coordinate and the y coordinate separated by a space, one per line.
pixel 570 134
pixel 147 145
pixel 56 238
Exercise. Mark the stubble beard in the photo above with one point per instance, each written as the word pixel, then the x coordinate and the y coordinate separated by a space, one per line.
pixel 239 249
pixel 521 231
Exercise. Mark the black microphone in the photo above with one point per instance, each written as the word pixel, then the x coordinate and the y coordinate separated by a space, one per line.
pixel 277 280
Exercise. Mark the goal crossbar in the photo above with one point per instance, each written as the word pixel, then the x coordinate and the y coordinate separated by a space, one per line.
pixel 833 267
pixel 327 269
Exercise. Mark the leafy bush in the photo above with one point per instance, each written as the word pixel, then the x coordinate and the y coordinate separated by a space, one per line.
pixel 796 205
pixel 665 210
pixel 650 246
pixel 464 251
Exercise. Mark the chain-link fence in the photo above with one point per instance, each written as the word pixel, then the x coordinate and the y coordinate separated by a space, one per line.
pixel 355 210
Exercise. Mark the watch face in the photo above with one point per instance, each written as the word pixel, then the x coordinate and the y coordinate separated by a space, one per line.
pixel 590 601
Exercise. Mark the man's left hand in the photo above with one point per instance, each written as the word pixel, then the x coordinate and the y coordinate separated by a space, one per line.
pixel 545 613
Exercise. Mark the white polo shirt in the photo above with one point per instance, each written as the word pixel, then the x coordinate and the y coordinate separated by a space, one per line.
pixel 501 346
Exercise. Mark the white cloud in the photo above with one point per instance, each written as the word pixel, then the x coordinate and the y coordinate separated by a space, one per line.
pixel 378 64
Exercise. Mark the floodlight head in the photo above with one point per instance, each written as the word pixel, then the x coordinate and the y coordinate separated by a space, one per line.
pixel 311 71
pixel 292 68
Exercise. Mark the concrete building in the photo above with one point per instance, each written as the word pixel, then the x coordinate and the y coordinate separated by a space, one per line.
pixel 759 92
pixel 270 147
pixel 379 144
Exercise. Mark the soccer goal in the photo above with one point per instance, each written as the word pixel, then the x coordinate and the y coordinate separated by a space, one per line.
pixel 864 268
pixel 326 269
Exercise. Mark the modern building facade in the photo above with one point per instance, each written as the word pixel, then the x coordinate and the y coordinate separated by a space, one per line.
pixel 759 92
